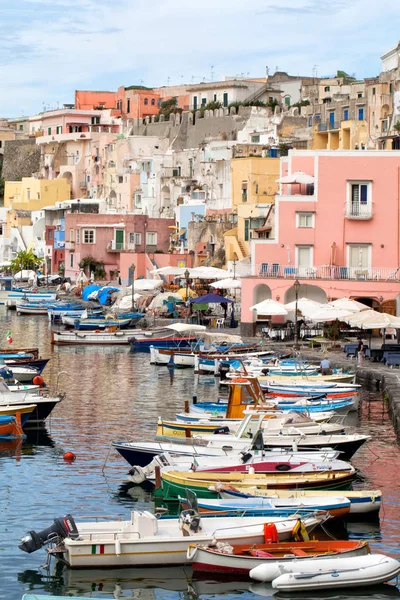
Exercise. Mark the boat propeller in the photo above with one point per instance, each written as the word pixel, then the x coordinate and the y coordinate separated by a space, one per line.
pixel 60 529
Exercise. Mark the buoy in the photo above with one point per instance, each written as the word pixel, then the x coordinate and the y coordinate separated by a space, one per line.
pixel 38 380
pixel 69 456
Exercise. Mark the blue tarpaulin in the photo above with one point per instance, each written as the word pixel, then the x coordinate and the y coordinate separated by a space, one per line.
pixel 209 299
pixel 105 292
pixel 89 289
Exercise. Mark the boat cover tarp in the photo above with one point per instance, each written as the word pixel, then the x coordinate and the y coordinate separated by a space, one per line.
pixel 89 289
pixel 105 293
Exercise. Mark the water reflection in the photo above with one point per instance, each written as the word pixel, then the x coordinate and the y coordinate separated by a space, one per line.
pixel 114 395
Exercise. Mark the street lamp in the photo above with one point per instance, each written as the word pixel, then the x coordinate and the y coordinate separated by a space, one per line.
pixel 296 286
pixel 187 275
pixel 133 267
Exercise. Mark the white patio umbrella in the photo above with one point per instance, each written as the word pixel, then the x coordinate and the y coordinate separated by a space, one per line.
pixel 158 301
pixel 269 307
pixel 146 284
pixel 348 304
pixel 330 313
pixel 372 319
pixel 297 177
pixel 25 274
pixel 227 284
pixel 306 306
pixel 169 271
pixel 208 273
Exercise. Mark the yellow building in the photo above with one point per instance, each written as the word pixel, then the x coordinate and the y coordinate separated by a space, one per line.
pixel 34 194
pixel 346 135
pixel 253 191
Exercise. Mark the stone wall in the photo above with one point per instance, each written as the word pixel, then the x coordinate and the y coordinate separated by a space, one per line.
pixel 210 232
pixel 21 159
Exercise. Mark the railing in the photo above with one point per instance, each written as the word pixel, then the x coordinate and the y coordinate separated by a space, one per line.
pixel 357 210
pixel 328 126
pixel 277 271
pixel 114 246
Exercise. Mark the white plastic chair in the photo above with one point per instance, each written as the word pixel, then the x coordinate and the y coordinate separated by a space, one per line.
pixel 219 323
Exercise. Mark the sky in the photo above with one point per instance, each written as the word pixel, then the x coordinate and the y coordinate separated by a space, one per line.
pixel 50 48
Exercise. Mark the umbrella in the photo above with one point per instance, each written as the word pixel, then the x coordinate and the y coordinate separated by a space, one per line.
pixel 158 301
pixel 306 306
pixel 269 307
pixel 298 177
pixel 210 299
pixel 169 271
pixel 182 292
pixel 25 274
pixel 372 319
pixel 146 284
pixel 208 273
pixel 227 284
pixel 330 313
pixel 348 304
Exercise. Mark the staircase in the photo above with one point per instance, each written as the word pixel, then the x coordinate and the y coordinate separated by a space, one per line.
pixel 242 249
pixel 258 93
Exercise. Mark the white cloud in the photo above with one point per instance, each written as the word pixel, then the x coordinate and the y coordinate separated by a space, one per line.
pixel 49 48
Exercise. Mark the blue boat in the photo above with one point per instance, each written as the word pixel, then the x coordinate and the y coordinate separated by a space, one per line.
pixel 101 322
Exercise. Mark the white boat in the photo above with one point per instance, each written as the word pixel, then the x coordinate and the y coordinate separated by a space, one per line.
pixel 34 308
pixel 314 461
pixel 317 574
pixel 23 374
pixel 362 502
pixel 145 540
pixel 121 336
pixel 11 297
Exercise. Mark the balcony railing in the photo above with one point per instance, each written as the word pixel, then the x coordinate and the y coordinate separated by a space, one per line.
pixel 277 271
pixel 114 246
pixel 358 210
pixel 328 126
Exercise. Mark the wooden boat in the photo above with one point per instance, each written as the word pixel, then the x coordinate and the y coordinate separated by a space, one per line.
pixel 34 308
pixel 11 427
pixel 362 502
pixel 43 403
pixel 94 323
pixel 11 297
pixel 113 336
pixel 16 353
pixel 311 379
pixel 23 411
pixel 241 559
pixel 337 507
pixel 206 485
pixel 362 571
pixel 144 539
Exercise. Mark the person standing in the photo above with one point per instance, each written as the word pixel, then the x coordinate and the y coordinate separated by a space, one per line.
pixel 325 366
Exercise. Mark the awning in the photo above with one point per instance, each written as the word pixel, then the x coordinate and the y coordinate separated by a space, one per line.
pixel 265 228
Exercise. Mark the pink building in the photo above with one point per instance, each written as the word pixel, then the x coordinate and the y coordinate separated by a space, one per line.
pixel 338 236
pixel 108 237
pixel 71 120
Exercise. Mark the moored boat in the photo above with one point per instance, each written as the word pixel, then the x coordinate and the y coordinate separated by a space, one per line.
pixel 241 559
pixel 112 337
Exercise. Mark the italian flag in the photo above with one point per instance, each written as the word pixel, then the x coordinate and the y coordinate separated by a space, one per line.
pixel 98 549
pixel 9 337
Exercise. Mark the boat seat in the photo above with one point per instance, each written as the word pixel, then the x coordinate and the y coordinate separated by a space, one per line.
pixel 298 552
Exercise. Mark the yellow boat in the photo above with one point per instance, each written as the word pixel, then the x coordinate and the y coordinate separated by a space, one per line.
pixel 206 484
pixel 11 409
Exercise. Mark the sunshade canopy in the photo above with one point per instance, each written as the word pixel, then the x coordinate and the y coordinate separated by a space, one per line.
pixel 306 306
pixel 182 327
pixel 210 299
pixel 227 284
pixel 298 177
pixel 329 313
pixel 372 319
pixel 269 307
pixel 348 304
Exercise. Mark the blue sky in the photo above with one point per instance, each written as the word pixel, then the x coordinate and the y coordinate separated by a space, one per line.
pixel 49 48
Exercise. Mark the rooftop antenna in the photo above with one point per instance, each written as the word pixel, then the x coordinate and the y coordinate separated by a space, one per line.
pixel 315 71
pixel 168 80
pixel 181 79
pixel 276 68
pixel 212 72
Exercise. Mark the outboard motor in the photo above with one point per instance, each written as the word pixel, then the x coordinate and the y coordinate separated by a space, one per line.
pixel 60 529
pixel 224 368
pixel 223 429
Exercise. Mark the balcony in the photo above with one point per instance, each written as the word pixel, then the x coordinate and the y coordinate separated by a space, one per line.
pixel 328 126
pixel 328 272
pixel 70 246
pixel 359 211
pixel 114 246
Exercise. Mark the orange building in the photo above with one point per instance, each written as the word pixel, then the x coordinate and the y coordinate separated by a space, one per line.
pixel 137 102
pixel 88 100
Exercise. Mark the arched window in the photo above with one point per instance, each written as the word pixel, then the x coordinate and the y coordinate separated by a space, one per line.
pixel 146 101
pixel 153 101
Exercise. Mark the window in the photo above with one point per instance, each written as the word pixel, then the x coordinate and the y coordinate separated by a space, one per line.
pixel 195 102
pixel 310 121
pixel 28 194
pixel 359 260
pixel 225 101
pixel 327 88
pixel 153 101
pixel 120 179
pixel 138 239
pixel 138 200
pixel 385 125
pixel 21 127
pixel 215 97
pixel 346 114
pixel 203 101
pixel 95 120
pixel 49 131
pixel 151 238
pixel 305 220
pixel 146 101
pixel 131 238
pixel 359 200
pixel 246 230
pixel 1 143
pixel 159 101
pixel 78 236
pixel 72 235
pixel 190 167
pixel 287 100
pixel 304 257
pixel 244 191
pixel 390 88
pixel 326 100
pixel 59 129
pixel 255 139
pixel 359 193
pixel 89 236
pixel 128 105
pixel 359 95
pixel 361 114
pixel 50 232
pixel 176 172
pixel 373 91
pixel 71 259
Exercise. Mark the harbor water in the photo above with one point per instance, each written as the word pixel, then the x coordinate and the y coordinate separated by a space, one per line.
pixel 114 395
